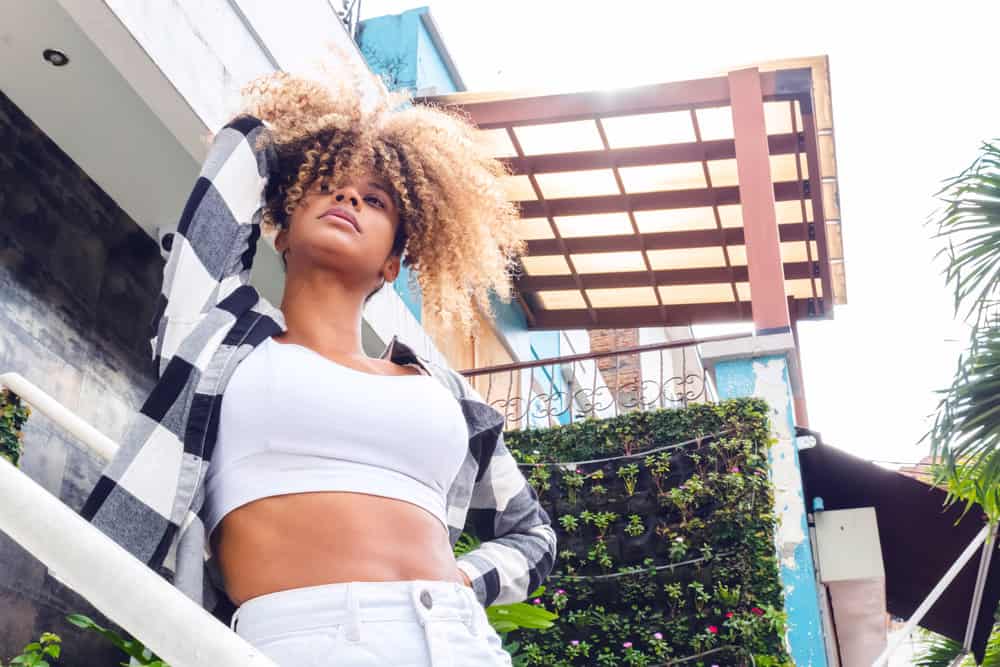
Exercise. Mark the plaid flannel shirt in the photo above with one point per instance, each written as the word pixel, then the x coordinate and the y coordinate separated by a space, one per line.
pixel 150 496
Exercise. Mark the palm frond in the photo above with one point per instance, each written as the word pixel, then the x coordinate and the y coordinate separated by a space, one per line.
pixel 965 436
pixel 970 224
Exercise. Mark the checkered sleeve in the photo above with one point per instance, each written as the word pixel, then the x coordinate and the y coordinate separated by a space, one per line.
pixel 210 252
pixel 519 545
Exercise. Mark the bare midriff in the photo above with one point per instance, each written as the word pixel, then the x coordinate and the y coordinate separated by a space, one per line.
pixel 307 539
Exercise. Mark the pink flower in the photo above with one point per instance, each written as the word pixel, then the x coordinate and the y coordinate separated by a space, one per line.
pixel 575 642
pixel 729 614
pixel 757 610
pixel 560 592
pixel 537 601
pixel 714 630
pixel 627 644
pixel 657 635
pixel 734 469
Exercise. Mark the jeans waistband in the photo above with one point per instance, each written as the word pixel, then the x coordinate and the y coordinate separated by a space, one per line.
pixel 355 602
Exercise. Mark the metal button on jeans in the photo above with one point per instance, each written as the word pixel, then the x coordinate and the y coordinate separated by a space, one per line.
pixel 425 599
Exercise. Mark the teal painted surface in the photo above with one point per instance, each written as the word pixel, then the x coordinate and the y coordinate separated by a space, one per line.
pixel 399 49
pixel 410 295
pixel 544 345
pixel 744 377
pixel 389 46
pixel 431 70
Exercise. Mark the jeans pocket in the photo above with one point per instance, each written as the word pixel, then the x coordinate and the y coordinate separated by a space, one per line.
pixel 299 648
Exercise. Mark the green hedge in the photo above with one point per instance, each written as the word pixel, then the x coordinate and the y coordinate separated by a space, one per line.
pixel 663 555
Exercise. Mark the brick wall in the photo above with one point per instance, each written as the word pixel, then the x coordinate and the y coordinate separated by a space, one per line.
pixel 78 280
pixel 622 373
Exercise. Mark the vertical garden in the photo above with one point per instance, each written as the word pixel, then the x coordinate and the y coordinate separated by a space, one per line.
pixel 666 532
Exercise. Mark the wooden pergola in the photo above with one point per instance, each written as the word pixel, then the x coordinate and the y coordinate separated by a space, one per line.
pixel 679 203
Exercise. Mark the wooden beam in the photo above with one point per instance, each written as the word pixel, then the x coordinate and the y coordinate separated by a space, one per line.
pixel 648 201
pixel 642 156
pixel 760 222
pixel 666 277
pixel 695 238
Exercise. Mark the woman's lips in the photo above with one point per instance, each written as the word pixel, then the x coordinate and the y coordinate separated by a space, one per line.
pixel 342 214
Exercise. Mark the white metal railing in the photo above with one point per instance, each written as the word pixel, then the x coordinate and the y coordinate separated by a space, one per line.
pixel 985 538
pixel 119 585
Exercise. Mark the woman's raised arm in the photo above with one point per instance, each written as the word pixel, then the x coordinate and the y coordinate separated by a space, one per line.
pixel 211 251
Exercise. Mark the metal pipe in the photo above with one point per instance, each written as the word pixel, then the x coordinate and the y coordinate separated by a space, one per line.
pixel 977 594
pixel 119 585
pixel 932 597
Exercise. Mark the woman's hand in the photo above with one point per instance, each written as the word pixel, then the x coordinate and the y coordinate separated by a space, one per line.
pixel 464 578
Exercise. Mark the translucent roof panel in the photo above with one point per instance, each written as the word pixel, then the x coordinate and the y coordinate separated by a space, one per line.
pixel 499 142
pixel 561 299
pixel 534 228
pixel 778 117
pixel 731 215
pixel 670 127
pixel 518 188
pixel 783 168
pixel 686 258
pixel 723 173
pixel 603 224
pixel 675 219
pixel 715 123
pixel 622 297
pixel 549 138
pixel 791 211
pixel 545 265
pixel 590 183
pixel 676 295
pixel 657 177
pixel 791 251
pixel 801 288
pixel 608 262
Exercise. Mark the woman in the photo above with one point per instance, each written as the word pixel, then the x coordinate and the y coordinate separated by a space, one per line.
pixel 328 488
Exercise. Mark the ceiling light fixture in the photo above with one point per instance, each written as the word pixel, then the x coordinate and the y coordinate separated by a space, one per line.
pixel 55 57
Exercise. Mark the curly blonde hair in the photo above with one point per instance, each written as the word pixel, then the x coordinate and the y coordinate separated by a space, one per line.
pixel 457 227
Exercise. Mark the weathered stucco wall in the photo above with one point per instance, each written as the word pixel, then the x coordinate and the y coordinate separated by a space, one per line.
pixel 78 281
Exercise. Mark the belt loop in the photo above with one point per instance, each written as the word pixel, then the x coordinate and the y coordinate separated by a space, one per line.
pixel 353 614
pixel 232 621
pixel 472 620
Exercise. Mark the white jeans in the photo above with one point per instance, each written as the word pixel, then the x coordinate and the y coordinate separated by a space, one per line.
pixel 418 623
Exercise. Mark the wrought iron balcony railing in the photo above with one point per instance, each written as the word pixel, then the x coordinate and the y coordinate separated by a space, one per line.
pixel 561 390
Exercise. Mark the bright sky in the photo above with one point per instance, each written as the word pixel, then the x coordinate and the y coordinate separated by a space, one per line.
pixel 914 92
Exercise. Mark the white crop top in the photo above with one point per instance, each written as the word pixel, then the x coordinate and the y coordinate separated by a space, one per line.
pixel 293 421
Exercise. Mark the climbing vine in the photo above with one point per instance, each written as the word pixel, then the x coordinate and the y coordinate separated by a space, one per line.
pixel 13 414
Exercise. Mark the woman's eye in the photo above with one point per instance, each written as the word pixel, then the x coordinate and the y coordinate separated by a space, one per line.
pixel 375 201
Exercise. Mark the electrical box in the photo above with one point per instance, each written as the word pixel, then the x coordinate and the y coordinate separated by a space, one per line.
pixel 848 545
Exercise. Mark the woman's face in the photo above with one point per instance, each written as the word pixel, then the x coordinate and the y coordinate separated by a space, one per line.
pixel 348 230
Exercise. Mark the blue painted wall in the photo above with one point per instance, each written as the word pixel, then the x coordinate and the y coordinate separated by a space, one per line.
pixel 400 49
pixel 767 378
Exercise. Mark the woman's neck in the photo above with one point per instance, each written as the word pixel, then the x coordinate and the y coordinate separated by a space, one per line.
pixel 323 315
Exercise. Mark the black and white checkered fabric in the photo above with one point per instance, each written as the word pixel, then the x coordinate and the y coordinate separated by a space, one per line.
pixel 150 496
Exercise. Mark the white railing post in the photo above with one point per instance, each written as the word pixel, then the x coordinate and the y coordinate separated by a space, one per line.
pixel 119 585
pixel 932 597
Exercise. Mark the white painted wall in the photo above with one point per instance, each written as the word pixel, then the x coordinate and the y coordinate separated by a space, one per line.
pixel 146 83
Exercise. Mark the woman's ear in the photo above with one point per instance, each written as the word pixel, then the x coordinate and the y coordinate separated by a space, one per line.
pixel 281 240
pixel 391 269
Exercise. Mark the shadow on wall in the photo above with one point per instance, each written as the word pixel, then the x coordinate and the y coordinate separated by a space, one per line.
pixel 78 287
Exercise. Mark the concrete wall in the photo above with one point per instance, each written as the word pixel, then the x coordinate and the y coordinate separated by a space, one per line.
pixel 78 280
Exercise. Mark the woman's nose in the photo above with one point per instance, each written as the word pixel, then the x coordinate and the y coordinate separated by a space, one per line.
pixel 349 195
